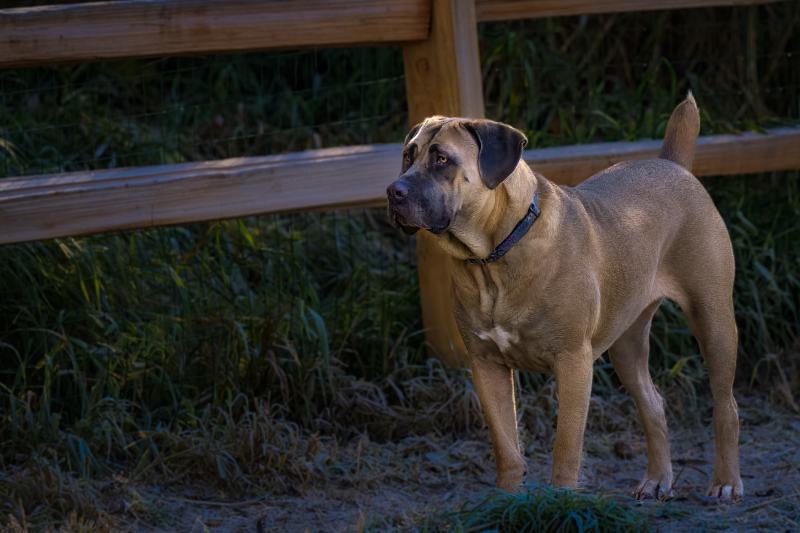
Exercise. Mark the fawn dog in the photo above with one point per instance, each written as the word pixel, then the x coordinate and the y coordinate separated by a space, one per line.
pixel 548 278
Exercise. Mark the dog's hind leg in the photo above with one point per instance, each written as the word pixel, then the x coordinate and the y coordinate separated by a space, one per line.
pixel 629 355
pixel 712 323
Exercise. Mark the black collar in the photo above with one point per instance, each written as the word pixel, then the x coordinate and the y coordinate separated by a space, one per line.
pixel 519 231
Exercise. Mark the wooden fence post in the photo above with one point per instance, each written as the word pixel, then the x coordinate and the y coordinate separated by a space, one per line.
pixel 443 77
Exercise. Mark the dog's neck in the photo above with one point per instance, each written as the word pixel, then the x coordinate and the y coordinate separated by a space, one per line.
pixel 476 235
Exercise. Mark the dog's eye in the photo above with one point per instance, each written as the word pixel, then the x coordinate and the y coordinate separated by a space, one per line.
pixel 406 159
pixel 441 159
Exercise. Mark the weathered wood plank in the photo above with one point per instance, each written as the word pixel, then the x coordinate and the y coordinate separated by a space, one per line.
pixel 57 205
pixel 492 10
pixel 716 155
pixel 443 77
pixel 41 207
pixel 131 28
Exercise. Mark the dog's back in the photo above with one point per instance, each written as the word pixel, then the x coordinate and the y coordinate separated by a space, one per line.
pixel 634 180
pixel 654 197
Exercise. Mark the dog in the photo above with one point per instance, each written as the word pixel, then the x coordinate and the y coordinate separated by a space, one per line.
pixel 548 278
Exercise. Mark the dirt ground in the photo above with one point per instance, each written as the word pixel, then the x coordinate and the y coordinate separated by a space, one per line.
pixel 396 486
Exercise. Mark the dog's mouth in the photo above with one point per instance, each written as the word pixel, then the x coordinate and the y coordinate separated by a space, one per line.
pixel 411 229
pixel 407 228
pixel 410 224
pixel 440 229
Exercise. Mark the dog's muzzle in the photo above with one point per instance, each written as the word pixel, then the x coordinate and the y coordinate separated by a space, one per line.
pixel 399 207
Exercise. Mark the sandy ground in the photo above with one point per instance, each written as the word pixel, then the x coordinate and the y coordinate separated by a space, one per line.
pixel 395 486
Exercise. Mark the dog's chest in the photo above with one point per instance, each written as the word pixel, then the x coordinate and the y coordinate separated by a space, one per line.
pixel 501 337
pixel 501 319
pixel 497 325
pixel 513 344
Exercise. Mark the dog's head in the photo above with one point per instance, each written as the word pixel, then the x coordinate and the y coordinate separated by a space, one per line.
pixel 450 167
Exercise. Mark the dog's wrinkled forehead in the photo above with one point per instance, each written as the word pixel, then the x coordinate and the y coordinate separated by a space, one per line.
pixel 436 127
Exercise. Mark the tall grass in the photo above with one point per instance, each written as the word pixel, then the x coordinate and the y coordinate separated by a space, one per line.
pixel 584 79
pixel 214 349
pixel 174 109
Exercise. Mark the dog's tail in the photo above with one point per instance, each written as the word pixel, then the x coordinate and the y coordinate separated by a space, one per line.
pixel 682 130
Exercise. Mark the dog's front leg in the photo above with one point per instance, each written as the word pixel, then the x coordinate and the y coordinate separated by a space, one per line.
pixel 573 374
pixel 495 386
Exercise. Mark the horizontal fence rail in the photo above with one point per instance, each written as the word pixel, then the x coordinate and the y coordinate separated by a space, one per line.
pixel 41 207
pixel 492 10
pixel 138 28
pixel 135 28
pixel 716 155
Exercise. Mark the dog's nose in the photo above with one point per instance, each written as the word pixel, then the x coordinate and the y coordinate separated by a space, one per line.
pixel 397 191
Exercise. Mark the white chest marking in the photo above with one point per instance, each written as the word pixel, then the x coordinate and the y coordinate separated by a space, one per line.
pixel 501 337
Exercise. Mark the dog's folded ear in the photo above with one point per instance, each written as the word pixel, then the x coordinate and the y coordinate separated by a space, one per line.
pixel 500 149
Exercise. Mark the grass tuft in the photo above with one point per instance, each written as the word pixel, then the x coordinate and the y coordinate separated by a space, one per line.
pixel 543 509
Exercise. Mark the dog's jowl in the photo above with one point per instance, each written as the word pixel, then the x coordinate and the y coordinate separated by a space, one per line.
pixel 548 278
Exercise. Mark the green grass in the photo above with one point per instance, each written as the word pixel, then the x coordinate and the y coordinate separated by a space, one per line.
pixel 174 109
pixel 615 77
pixel 215 350
pixel 543 509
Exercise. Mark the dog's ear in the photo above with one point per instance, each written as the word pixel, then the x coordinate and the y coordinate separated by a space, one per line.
pixel 499 149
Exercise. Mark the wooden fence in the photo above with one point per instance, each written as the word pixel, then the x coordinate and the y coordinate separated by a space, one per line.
pixel 442 73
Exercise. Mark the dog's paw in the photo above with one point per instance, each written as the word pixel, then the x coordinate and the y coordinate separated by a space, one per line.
pixel 654 489
pixel 726 493
pixel 510 479
pixel 511 483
